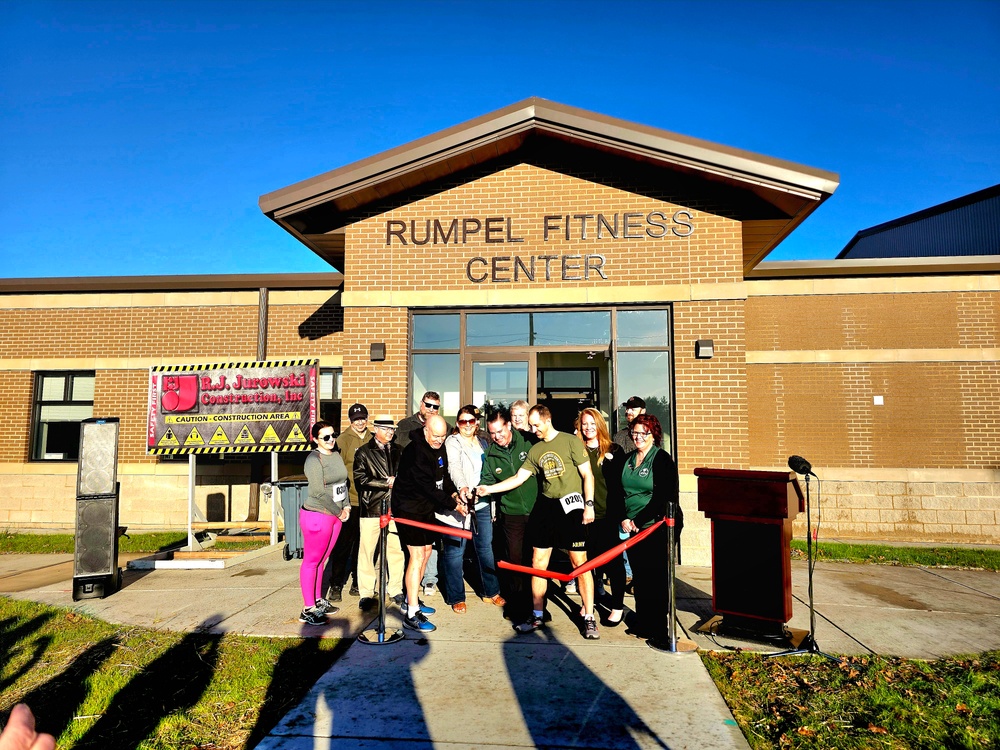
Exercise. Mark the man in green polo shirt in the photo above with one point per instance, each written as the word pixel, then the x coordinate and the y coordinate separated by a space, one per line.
pixel 560 515
pixel 506 453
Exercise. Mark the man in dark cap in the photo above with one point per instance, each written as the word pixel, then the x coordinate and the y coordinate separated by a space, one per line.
pixel 343 562
pixel 633 408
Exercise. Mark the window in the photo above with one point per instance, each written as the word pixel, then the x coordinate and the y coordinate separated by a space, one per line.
pixel 329 395
pixel 62 401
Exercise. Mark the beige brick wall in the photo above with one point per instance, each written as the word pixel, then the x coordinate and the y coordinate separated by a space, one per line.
pixel 948 512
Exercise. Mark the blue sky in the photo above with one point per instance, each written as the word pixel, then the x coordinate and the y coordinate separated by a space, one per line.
pixel 136 137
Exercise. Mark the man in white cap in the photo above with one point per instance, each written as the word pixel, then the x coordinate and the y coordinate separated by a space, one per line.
pixel 374 474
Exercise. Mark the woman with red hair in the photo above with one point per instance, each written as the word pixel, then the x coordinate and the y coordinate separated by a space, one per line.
pixel 647 486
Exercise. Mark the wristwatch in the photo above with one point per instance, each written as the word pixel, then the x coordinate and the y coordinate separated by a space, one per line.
pixel 589 503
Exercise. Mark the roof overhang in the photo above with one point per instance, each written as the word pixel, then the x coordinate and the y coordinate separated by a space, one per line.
pixel 178 283
pixel 770 196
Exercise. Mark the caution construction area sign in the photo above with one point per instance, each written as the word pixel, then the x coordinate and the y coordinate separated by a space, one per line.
pixel 231 407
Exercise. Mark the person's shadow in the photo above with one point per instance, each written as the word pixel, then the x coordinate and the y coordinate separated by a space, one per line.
pixel 172 682
pixel 563 703
pixel 377 698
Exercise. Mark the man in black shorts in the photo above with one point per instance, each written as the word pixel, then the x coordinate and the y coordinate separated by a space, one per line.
pixel 422 486
pixel 561 513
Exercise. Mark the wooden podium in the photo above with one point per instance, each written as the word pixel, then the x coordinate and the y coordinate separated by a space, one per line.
pixel 751 514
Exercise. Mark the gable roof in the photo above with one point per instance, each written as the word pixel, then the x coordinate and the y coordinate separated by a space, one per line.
pixel 770 196
pixel 965 226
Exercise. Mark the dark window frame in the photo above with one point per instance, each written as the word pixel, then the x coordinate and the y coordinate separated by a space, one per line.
pixel 36 450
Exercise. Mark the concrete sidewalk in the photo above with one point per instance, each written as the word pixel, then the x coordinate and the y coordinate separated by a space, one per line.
pixel 475 683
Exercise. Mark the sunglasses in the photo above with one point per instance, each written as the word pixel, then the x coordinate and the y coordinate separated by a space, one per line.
pixel 468 421
pixel 432 407
pixel 327 437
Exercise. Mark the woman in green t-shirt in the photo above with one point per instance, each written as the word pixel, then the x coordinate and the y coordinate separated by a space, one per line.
pixel 648 485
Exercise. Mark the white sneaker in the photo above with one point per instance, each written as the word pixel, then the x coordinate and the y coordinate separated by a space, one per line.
pixel 430 589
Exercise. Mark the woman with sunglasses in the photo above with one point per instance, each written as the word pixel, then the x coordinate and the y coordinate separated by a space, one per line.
pixel 466 448
pixel 645 488
pixel 606 458
pixel 326 507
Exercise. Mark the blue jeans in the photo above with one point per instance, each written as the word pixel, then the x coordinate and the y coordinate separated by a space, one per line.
pixel 453 552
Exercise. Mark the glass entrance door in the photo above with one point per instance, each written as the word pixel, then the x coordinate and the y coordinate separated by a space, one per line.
pixel 499 380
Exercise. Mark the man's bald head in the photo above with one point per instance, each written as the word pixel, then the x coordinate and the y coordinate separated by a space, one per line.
pixel 435 431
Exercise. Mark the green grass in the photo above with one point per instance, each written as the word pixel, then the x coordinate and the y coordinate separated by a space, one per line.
pixel 97 685
pixel 862 702
pixel 11 543
pixel 882 554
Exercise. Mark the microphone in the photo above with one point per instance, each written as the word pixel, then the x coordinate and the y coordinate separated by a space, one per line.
pixel 800 466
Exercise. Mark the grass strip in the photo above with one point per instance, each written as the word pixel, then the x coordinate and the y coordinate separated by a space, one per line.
pixel 862 702
pixel 883 554
pixel 22 544
pixel 97 685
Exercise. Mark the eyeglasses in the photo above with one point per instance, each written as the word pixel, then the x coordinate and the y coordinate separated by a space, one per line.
pixel 328 437
pixel 432 407
pixel 468 421
pixel 639 435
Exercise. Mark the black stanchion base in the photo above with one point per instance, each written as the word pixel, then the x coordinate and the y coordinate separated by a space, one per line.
pixel 750 629
pixel 808 647
pixel 374 638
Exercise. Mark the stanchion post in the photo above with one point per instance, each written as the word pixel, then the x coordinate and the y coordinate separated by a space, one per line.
pixel 378 636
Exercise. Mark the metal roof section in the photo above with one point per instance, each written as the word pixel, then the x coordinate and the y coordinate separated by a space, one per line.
pixel 770 196
pixel 872 267
pixel 966 226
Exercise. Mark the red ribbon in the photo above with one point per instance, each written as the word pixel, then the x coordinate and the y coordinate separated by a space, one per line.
pixel 596 562
pixel 448 530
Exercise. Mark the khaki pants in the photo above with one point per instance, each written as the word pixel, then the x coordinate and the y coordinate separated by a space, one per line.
pixel 368 547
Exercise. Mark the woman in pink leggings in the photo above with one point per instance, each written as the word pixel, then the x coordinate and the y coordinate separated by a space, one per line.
pixel 322 514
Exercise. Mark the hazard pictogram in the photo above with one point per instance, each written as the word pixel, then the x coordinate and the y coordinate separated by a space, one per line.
pixel 244 437
pixel 270 436
pixel 295 436
pixel 194 438
pixel 219 438
pixel 169 439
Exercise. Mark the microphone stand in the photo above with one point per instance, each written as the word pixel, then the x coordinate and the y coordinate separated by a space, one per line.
pixel 809 645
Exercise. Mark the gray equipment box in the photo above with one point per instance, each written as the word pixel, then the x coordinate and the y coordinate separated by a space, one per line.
pixel 294 491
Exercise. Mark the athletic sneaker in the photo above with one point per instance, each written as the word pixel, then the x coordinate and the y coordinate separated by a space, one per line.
pixel 335 594
pixel 532 623
pixel 325 608
pixel 354 589
pixel 312 616
pixel 570 587
pixel 430 589
pixel 590 629
pixel 424 609
pixel 419 623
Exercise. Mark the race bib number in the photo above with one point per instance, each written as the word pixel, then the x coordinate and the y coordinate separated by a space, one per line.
pixel 572 501
pixel 339 491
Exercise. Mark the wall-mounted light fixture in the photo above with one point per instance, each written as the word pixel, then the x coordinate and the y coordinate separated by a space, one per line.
pixel 704 349
pixel 378 352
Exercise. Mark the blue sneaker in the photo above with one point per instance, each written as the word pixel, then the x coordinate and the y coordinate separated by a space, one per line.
pixel 424 609
pixel 419 623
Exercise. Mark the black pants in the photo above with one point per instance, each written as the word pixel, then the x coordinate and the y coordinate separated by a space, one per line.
pixel 509 544
pixel 343 562
pixel 649 579
pixel 602 535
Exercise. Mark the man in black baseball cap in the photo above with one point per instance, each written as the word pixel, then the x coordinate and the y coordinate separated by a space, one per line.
pixel 633 408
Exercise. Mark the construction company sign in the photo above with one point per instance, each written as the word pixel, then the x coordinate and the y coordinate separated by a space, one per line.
pixel 232 407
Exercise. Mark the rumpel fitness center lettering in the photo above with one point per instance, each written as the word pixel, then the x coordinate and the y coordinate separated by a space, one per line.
pixel 570 227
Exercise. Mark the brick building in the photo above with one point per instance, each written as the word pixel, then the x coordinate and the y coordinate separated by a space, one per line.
pixel 548 253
